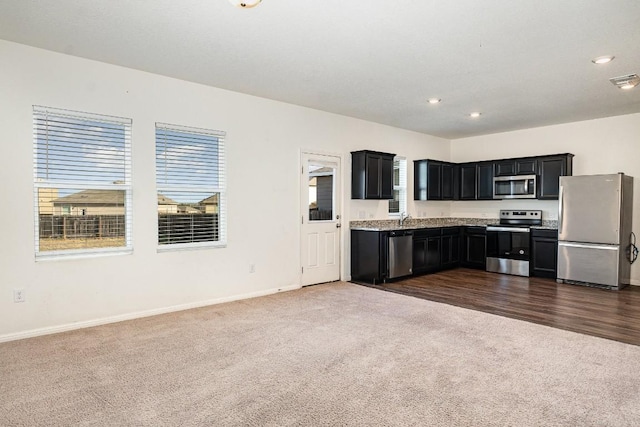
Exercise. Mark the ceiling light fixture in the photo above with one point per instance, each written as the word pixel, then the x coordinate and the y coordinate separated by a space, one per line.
pixel 434 100
pixel 603 59
pixel 626 82
pixel 475 114
pixel 246 4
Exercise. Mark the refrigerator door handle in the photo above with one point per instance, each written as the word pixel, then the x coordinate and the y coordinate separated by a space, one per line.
pixel 590 246
pixel 560 194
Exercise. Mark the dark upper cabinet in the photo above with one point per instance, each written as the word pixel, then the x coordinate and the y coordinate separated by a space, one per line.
pixel 371 175
pixel 544 253
pixel 468 181
pixel 485 181
pixel 551 169
pixel 475 181
pixel 509 167
pixel 433 180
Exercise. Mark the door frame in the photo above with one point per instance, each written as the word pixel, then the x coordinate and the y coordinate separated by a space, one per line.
pixel 339 211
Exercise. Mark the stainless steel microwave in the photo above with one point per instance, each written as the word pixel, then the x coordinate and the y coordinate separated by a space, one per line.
pixel 514 187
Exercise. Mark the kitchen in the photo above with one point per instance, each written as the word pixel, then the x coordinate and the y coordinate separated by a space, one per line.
pixel 519 242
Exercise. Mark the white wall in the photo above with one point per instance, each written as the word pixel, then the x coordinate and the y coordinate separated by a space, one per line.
pixel 600 146
pixel 264 139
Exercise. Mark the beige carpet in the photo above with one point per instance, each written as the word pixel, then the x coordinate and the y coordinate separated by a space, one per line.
pixel 335 354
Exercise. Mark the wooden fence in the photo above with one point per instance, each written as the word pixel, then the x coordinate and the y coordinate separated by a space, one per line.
pixel 172 228
pixel 85 226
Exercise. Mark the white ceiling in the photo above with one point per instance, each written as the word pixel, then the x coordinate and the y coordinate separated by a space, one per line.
pixel 522 63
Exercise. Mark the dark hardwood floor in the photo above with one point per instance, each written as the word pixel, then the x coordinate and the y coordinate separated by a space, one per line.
pixel 603 313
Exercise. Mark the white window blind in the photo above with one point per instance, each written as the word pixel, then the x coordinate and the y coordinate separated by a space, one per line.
pixel 399 202
pixel 82 182
pixel 190 178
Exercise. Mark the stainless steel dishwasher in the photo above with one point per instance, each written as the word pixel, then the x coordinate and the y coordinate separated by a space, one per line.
pixel 400 259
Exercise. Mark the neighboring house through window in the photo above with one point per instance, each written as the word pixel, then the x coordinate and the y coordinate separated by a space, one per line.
pixel 399 203
pixel 190 179
pixel 82 182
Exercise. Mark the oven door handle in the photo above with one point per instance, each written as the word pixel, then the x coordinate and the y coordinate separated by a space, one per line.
pixel 511 229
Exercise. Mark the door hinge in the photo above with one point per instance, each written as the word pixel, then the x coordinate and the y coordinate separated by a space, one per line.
pixel 302 170
pixel 302 270
pixel 302 219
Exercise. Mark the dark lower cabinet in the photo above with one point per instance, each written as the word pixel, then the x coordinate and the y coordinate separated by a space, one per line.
pixel 436 249
pixel 369 251
pixel 450 247
pixel 426 250
pixel 474 252
pixel 544 253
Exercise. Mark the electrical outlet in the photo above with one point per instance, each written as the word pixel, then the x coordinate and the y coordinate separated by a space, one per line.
pixel 18 295
pixel 252 268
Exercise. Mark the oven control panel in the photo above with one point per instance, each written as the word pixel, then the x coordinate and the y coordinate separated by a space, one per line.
pixel 521 217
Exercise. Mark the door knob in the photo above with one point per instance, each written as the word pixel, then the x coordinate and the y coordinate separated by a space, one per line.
pixel 338 225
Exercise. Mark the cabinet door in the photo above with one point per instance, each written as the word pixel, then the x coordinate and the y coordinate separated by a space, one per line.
pixel 419 255
pixel 372 177
pixel 433 253
pixel 434 181
pixel 551 169
pixel 450 251
pixel 544 257
pixel 526 166
pixel 419 180
pixel 468 179
pixel 485 181
pixel 505 168
pixel 386 178
pixel 474 252
pixel 447 181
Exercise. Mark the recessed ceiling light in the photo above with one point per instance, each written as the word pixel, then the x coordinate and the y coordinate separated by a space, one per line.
pixel 475 114
pixel 603 59
pixel 434 100
pixel 626 82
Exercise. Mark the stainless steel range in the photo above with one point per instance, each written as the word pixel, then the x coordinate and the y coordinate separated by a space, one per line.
pixel 508 243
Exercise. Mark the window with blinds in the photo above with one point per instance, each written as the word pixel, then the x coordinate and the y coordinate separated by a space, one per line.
pixel 82 182
pixel 399 202
pixel 190 179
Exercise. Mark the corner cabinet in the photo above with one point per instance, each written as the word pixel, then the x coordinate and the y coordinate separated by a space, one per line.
pixel 434 180
pixel 551 169
pixel 371 175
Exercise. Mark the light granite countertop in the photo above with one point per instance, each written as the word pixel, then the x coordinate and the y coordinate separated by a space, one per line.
pixel 417 223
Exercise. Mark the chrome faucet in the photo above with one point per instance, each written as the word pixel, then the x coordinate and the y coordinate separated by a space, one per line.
pixel 403 217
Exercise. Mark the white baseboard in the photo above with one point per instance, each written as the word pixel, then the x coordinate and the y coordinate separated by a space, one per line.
pixel 136 315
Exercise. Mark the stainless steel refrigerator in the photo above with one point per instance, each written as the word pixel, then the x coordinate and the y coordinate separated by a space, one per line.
pixel 594 228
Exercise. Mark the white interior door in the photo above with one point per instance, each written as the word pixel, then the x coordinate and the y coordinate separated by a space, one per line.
pixel 320 211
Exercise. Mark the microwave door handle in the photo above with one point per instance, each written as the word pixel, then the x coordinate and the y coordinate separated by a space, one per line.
pixel 526 186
